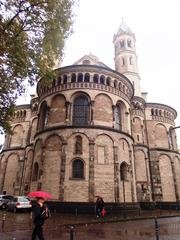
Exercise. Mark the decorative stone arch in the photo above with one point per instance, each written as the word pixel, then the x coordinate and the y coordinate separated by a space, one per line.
pixel 166 176
pixel 124 169
pixel 124 150
pixel 137 129
pixel 11 173
pixel 43 114
pixel 140 165
pixel 104 149
pixel 17 136
pixel 57 111
pixel 123 114
pixel 161 136
pixel 103 112
pixel 33 128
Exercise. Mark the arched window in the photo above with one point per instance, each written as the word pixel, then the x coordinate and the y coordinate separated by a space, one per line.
pixel 81 111
pixel 122 43
pixel 129 43
pixel 108 81
pixel 120 86
pixel 130 61
pixel 96 78
pixel 124 171
pixel 59 80
pixel 152 112
pixel 35 172
pixel 78 145
pixel 123 61
pixel 118 117
pixel 78 169
pixel 54 83
pixel 156 112
pixel 73 77
pixel 43 116
pixel 65 79
pixel 115 83
pixel 102 79
pixel 86 77
pixel 80 77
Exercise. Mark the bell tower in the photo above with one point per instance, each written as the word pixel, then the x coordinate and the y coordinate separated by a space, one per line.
pixel 125 55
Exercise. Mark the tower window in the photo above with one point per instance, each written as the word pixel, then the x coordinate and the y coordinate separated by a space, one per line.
pixel 65 79
pixel 130 60
pixel 73 77
pixel 81 111
pixel 78 169
pixel 78 145
pixel 122 43
pixel 123 61
pixel 129 43
pixel 80 77
pixel 96 78
pixel 102 79
pixel 87 77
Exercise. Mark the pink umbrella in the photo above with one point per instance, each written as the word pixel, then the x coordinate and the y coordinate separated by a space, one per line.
pixel 40 194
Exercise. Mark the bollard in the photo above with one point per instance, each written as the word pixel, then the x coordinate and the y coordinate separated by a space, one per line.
pixel 156 228
pixel 3 221
pixel 71 233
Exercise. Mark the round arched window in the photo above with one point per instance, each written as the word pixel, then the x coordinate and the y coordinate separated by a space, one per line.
pixel 78 169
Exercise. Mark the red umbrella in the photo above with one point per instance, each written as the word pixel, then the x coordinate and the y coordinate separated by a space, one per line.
pixel 40 194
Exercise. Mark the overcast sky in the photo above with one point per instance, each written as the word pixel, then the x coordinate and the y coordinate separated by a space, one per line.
pixel 156 26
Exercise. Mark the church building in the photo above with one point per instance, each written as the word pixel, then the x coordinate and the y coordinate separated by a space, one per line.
pixel 91 132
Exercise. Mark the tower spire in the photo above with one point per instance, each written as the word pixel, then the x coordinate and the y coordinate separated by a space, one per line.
pixel 125 55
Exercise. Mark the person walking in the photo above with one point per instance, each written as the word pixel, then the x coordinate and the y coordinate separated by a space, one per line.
pixel 99 206
pixel 39 214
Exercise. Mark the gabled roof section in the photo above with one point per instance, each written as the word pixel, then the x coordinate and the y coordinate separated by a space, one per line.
pixel 90 60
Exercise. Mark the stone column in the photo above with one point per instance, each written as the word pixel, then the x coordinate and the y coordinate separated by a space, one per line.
pixel 62 171
pixel 91 170
pixel 132 172
pixel 116 175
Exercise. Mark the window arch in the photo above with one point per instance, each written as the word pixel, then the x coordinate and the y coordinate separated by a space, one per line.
pixel 102 79
pixel 118 117
pixel 73 77
pixel 59 80
pixel 108 81
pixel 129 43
pixel 65 79
pixel 87 77
pixel 43 116
pixel 96 78
pixel 124 171
pixel 115 83
pixel 81 110
pixel 78 169
pixel 35 172
pixel 80 77
pixel 122 43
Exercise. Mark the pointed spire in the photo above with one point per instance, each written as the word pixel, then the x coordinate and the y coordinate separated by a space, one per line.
pixel 124 29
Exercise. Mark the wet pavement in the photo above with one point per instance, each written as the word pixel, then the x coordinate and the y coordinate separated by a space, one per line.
pixel 18 226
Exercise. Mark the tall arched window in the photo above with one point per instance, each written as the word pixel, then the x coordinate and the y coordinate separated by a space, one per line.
pixel 87 77
pixel 35 172
pixel 96 78
pixel 43 116
pixel 118 117
pixel 81 110
pixel 80 77
pixel 124 171
pixel 78 169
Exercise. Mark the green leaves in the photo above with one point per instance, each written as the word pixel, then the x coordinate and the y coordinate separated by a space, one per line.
pixel 32 35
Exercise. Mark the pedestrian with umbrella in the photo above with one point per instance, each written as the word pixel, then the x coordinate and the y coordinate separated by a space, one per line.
pixel 40 213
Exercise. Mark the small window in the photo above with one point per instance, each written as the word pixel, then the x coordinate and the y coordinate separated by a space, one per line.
pixel 73 77
pixel 122 43
pixel 78 169
pixel 65 79
pixel 108 81
pixel 129 43
pixel 80 77
pixel 87 77
pixel 130 61
pixel 96 78
pixel 102 79
pixel 123 61
pixel 138 137
pixel 86 62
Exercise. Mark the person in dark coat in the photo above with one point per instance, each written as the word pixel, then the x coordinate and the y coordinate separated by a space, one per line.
pixel 40 213
pixel 99 206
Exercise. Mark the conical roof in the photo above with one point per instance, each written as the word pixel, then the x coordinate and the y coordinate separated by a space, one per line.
pixel 124 29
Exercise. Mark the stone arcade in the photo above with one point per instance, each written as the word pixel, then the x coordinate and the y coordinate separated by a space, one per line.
pixel 92 132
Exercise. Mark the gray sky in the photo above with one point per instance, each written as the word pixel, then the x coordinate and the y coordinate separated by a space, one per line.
pixel 156 26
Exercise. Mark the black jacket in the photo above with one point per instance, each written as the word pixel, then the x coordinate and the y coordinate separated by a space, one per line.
pixel 37 211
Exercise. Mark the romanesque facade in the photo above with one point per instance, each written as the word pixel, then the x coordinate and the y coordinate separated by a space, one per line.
pixel 90 133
